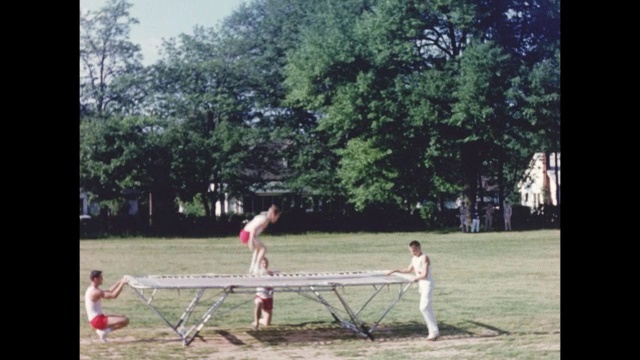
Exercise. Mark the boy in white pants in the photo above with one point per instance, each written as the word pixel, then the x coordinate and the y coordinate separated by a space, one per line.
pixel 421 264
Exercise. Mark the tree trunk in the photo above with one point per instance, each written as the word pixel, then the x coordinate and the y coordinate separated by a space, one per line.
pixel 205 204
pixel 212 197
pixel 470 158
pixel 221 198
pixel 480 188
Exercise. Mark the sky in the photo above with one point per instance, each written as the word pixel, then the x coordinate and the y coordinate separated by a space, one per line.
pixel 169 18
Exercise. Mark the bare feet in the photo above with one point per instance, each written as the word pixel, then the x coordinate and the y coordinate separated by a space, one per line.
pixel 434 337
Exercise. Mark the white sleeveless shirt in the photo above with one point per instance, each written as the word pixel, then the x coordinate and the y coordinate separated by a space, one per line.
pixel 94 308
pixel 265 292
pixel 418 262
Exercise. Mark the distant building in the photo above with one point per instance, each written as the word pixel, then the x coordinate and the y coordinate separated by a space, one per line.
pixel 541 184
pixel 272 192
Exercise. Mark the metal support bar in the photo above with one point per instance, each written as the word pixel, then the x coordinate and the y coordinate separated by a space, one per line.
pixel 187 313
pixel 371 298
pixel 153 293
pixel 331 309
pixel 220 314
pixel 186 339
pixel 356 324
pixel 148 302
pixel 390 306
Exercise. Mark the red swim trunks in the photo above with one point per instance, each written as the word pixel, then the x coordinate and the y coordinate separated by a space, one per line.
pixel 99 322
pixel 267 304
pixel 244 236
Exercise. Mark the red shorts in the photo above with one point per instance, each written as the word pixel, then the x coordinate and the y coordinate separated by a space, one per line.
pixel 267 304
pixel 244 236
pixel 99 322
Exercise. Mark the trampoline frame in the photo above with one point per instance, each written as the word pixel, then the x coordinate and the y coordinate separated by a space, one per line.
pixel 307 285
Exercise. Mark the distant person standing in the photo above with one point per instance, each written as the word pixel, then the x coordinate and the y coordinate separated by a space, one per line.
pixel 475 218
pixel 507 215
pixel 103 324
pixel 488 216
pixel 421 265
pixel 463 217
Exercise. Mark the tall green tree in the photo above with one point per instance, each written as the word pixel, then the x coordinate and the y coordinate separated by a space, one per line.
pixel 390 102
pixel 108 60
pixel 257 39
pixel 424 85
pixel 119 153
pixel 480 110
pixel 536 99
pixel 203 85
pixel 357 69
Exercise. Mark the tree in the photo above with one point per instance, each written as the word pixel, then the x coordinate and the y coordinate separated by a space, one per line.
pixel 255 42
pixel 480 110
pixel 358 66
pixel 108 59
pixel 198 87
pixel 390 103
pixel 537 94
pixel 424 87
pixel 119 153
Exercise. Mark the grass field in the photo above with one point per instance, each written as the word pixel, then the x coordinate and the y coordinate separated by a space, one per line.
pixel 497 296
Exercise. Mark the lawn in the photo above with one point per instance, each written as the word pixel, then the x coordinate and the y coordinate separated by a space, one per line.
pixel 497 296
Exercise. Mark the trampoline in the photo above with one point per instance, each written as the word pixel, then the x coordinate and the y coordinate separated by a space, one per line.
pixel 309 285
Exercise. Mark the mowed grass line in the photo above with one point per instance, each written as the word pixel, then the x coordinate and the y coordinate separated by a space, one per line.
pixel 497 295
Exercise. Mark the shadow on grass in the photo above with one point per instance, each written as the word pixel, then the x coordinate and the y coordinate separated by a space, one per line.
pixel 490 328
pixel 321 332
pixel 230 337
pixel 503 332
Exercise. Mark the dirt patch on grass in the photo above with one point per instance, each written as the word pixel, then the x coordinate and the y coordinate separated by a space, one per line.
pixel 283 342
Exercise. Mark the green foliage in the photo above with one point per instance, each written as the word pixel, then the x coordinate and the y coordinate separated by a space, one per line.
pixel 326 55
pixel 429 213
pixel 121 153
pixel 204 96
pixel 193 208
pixel 108 60
pixel 541 108
pixel 389 103
pixel 365 174
pixel 480 94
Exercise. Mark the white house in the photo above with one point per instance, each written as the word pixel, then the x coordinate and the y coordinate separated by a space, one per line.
pixel 541 184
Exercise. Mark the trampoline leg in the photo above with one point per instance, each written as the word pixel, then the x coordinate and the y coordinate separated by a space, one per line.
pixel 371 298
pixel 356 324
pixel 188 339
pixel 148 302
pixel 187 313
pixel 326 304
pixel 391 305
